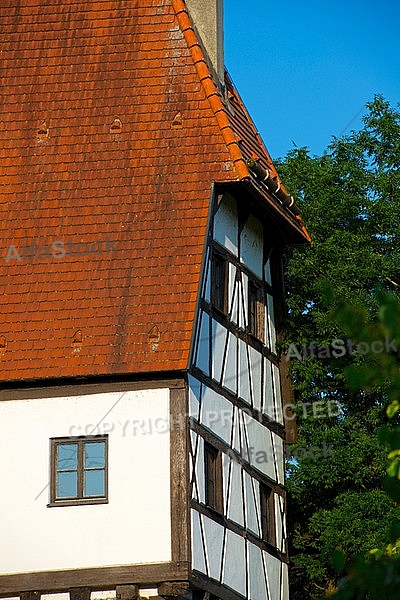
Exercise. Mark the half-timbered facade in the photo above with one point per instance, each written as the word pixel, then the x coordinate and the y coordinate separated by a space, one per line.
pixel 141 394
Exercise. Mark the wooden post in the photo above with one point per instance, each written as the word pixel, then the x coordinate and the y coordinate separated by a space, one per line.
pixel 80 593
pixel 127 592
pixel 174 590
pixel 29 595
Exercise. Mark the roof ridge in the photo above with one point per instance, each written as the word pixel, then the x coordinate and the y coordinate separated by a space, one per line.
pixel 251 123
pixel 210 88
pixel 217 106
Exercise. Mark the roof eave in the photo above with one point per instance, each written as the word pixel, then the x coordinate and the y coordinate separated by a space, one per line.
pixel 269 206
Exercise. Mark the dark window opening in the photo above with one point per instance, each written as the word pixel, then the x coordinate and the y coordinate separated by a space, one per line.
pixel 267 515
pixel 219 283
pixel 256 310
pixel 213 477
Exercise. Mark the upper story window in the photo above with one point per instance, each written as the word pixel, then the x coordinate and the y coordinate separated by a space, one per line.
pixel 267 507
pixel 79 470
pixel 219 282
pixel 256 310
pixel 213 477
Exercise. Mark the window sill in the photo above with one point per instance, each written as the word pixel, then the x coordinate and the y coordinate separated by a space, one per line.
pixel 78 502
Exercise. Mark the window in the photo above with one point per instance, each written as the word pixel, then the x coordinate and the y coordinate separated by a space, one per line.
pixel 78 470
pixel 219 282
pixel 213 477
pixel 267 514
pixel 256 310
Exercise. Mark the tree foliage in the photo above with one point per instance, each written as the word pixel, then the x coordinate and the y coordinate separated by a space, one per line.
pixel 376 575
pixel 350 203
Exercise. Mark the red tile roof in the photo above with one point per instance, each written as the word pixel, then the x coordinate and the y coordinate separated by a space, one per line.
pixel 113 131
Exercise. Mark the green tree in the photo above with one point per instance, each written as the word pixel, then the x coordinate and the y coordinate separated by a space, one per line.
pixel 375 575
pixel 350 203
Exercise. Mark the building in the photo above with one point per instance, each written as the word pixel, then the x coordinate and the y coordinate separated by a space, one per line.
pixel 142 224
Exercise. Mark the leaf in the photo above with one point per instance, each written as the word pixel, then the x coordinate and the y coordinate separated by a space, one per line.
pixel 395 531
pixel 393 468
pixel 392 488
pixel 392 409
pixel 339 561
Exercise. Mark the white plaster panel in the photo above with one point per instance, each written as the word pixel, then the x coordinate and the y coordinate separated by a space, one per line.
pixel 273 566
pixel 203 348
pixel 193 441
pixel 198 555
pixel 232 295
pixel 255 370
pixel 265 450
pixel 284 534
pixel 258 589
pixel 269 397
pixel 271 323
pixel 149 593
pixel 235 502
pixel 280 530
pixel 226 224
pixel 285 581
pixel 200 477
pixel 219 333
pixel 207 279
pixel 230 368
pixel 226 465
pixel 214 535
pixel 244 373
pixel 267 338
pixel 105 595
pixel 234 574
pixel 194 397
pixel 279 454
pixel 217 414
pixel 236 430
pixel 277 393
pixel 278 522
pixel 263 455
pixel 135 524
pixel 243 301
pixel 267 272
pixel 251 245
pixel 244 420
pixel 252 490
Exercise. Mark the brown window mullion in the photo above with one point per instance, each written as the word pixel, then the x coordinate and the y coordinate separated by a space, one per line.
pixel 81 451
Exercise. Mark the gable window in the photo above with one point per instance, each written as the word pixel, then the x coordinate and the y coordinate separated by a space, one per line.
pixel 267 508
pixel 219 282
pixel 79 470
pixel 213 477
pixel 256 310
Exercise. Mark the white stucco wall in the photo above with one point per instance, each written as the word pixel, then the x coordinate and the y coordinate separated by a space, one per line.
pixel 134 527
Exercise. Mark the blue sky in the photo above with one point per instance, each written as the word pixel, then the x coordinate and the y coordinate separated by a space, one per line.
pixel 305 69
